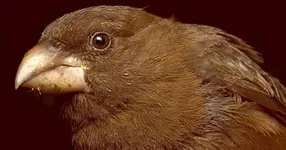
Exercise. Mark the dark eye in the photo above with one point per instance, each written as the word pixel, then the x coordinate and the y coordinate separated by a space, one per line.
pixel 101 41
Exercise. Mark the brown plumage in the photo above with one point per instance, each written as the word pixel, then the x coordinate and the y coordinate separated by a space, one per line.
pixel 158 83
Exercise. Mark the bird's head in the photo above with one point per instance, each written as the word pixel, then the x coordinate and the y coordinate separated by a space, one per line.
pixel 126 67
pixel 79 44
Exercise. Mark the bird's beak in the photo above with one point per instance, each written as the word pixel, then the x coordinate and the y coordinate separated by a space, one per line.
pixel 48 70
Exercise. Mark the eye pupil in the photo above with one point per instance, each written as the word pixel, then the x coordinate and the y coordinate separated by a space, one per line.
pixel 101 41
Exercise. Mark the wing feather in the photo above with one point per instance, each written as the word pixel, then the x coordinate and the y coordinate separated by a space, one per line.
pixel 228 61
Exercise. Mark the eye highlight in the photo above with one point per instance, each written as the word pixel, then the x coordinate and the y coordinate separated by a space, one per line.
pixel 100 41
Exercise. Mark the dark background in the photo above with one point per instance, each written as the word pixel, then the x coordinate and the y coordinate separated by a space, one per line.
pixel 29 124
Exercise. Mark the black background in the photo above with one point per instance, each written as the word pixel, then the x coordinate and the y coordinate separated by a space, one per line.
pixel 27 123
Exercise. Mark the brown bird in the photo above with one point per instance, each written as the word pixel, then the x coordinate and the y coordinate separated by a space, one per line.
pixel 140 81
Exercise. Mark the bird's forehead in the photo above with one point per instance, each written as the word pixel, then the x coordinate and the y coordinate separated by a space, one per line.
pixel 104 18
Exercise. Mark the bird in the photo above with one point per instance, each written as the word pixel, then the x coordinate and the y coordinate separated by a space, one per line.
pixel 140 82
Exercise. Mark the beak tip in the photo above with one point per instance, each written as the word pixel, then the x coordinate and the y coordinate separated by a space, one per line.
pixel 18 82
pixel 17 85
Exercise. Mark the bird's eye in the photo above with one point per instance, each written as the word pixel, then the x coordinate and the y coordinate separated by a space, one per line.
pixel 101 41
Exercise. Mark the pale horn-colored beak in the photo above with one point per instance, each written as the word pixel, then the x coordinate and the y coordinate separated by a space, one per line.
pixel 48 70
